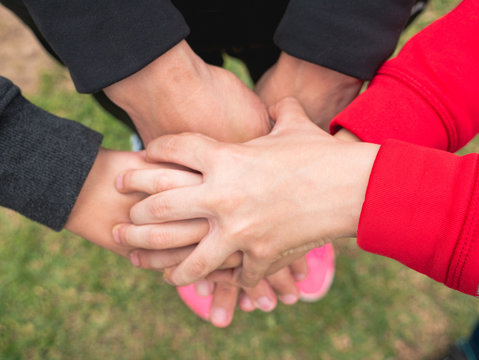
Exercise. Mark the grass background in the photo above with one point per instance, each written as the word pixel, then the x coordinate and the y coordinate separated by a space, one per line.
pixel 64 298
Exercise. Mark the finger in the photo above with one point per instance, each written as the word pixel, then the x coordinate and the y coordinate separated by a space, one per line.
pixel 288 111
pixel 245 303
pixel 284 285
pixel 161 236
pixel 209 255
pixel 159 260
pixel 225 275
pixel 262 296
pixel 233 261
pixel 190 150
pixel 172 205
pixel 204 287
pixel 252 271
pixel 223 304
pixel 299 269
pixel 152 181
pixel 283 262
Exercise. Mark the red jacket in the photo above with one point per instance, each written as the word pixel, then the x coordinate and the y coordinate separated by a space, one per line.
pixel 422 204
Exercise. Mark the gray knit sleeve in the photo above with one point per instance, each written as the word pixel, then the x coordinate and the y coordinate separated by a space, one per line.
pixel 45 159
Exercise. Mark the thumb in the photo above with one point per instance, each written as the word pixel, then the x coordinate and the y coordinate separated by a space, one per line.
pixel 288 112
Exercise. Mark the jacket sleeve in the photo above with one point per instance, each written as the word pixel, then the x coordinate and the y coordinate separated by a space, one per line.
pixel 349 36
pixel 427 95
pixel 45 159
pixel 116 37
pixel 421 206
pixel 422 209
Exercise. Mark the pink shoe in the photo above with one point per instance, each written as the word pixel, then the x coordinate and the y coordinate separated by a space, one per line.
pixel 321 274
pixel 314 287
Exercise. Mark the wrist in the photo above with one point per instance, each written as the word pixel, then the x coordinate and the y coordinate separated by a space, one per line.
pixel 322 92
pixel 99 206
pixel 163 79
pixel 346 135
pixel 361 160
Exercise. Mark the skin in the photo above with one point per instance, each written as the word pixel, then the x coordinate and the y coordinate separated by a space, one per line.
pixel 316 196
pixel 179 92
pixel 322 92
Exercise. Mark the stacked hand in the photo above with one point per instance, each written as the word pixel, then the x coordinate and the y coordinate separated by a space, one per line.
pixel 178 92
pixel 273 198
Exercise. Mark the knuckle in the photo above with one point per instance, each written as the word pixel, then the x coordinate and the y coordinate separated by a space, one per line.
pixel 199 267
pixel 160 183
pixel 134 213
pixel 157 239
pixel 225 290
pixel 160 206
pixel 261 252
pixel 127 180
pixel 249 278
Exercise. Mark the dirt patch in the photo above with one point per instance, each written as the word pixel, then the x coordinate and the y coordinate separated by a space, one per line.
pixel 22 58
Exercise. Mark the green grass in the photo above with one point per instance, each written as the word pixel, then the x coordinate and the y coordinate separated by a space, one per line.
pixel 64 298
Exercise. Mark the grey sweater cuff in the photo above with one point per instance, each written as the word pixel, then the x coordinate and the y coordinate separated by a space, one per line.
pixel 46 159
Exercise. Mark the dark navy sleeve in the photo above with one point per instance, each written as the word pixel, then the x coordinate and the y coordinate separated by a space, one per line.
pixel 353 37
pixel 104 41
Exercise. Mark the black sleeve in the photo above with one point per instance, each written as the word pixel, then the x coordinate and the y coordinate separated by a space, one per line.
pixel 45 159
pixel 353 37
pixel 116 37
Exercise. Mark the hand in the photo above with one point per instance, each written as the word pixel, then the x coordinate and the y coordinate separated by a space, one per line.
pixel 273 198
pixel 159 236
pixel 178 92
pixel 99 205
pixel 321 91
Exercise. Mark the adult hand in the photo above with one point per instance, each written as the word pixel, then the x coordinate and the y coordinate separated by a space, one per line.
pixel 159 237
pixel 179 92
pixel 321 91
pixel 273 198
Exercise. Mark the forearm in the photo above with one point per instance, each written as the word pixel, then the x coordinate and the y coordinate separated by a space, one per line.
pixel 425 96
pixel 181 93
pixel 322 92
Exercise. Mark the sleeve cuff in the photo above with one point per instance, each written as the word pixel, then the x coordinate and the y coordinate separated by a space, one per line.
pixel 102 42
pixel 420 209
pixel 393 109
pixel 351 37
pixel 46 159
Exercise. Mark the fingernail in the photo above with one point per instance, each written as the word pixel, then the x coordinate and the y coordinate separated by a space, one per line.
pixel 289 299
pixel 203 288
pixel 299 277
pixel 119 182
pixel 246 304
pixel 135 259
pixel 218 316
pixel 265 303
pixel 116 234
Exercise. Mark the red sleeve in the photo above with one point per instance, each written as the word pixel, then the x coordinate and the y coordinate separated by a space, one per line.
pixel 422 209
pixel 422 205
pixel 429 93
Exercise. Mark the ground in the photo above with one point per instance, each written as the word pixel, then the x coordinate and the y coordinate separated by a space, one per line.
pixel 64 298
